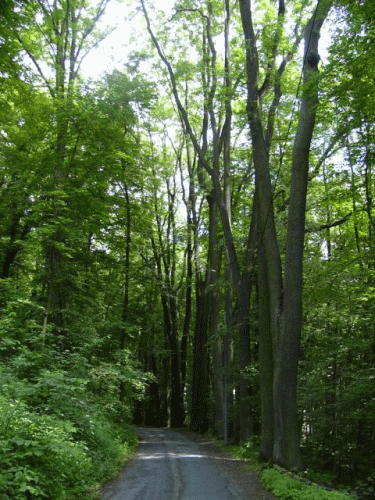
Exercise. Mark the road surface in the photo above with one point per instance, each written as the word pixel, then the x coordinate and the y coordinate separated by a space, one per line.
pixel 171 466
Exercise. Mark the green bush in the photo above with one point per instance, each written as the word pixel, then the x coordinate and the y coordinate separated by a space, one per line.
pixel 249 451
pixel 39 457
pixel 286 487
pixel 63 427
pixel 67 398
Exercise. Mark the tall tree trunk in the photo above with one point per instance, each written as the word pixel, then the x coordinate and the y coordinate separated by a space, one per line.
pixel 188 305
pixel 190 204
pixel 228 411
pixel 57 289
pixel 262 171
pixel 228 358
pixel 245 407
pixel 125 304
pixel 171 337
pixel 287 429
pixel 199 390
pixel 285 299
pixel 213 298
pixel 265 358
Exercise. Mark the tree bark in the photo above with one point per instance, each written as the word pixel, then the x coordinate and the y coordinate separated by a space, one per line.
pixel 265 355
pixel 199 391
pixel 287 429
pixel 213 294
pixel 285 299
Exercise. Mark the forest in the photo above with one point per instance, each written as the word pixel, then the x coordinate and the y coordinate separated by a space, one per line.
pixel 188 239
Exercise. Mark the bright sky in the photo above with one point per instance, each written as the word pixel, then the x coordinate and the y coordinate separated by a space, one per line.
pixel 112 52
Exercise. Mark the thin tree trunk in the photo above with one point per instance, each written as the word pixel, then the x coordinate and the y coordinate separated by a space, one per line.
pixel 188 305
pixel 228 410
pixel 213 297
pixel 125 304
pixel 245 406
pixel 199 391
pixel 228 359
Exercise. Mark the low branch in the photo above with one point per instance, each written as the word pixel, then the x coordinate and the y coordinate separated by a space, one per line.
pixel 331 224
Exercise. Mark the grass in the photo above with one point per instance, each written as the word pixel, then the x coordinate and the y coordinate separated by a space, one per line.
pixel 283 484
pixel 292 487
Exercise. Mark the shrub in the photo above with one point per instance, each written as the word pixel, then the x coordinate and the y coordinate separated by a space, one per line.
pixel 286 487
pixel 38 455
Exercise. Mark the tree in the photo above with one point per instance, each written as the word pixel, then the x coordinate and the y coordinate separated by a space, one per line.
pixel 337 347
pixel 285 296
pixel 214 136
pixel 284 299
pixel 61 35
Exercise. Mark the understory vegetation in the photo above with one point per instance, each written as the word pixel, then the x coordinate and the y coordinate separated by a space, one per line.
pixel 63 430
pixel 286 487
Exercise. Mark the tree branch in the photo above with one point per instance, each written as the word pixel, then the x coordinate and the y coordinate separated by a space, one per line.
pixel 331 224
pixel 271 62
pixel 39 69
pixel 180 107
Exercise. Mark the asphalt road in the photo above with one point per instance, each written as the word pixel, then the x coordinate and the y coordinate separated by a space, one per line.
pixel 170 466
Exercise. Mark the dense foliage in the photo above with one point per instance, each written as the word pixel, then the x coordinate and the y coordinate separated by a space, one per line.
pixel 133 261
pixel 287 487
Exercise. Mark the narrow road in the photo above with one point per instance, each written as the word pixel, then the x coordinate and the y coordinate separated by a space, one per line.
pixel 170 466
